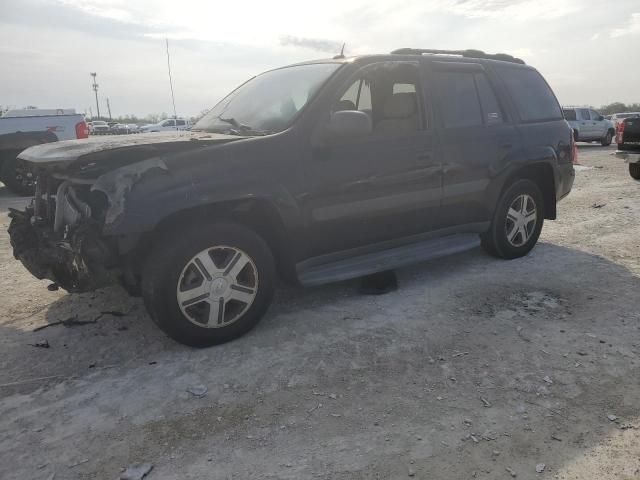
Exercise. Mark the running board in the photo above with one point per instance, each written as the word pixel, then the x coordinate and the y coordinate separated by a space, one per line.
pixel 387 259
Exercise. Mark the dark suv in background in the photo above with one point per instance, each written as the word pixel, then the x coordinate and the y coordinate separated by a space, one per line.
pixel 319 172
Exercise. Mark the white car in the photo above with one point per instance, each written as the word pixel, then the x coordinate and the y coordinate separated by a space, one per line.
pixel 169 125
pixel 100 127
pixel 616 118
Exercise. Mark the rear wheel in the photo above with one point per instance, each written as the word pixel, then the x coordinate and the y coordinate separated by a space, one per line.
pixel 606 141
pixel 634 170
pixel 517 221
pixel 209 285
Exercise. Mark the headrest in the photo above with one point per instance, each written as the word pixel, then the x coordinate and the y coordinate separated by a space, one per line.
pixel 344 105
pixel 400 105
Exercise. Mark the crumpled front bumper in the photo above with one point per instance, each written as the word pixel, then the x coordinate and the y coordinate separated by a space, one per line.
pixel 78 262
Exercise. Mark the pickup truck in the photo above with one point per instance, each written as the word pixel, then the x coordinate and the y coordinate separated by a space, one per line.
pixel 588 125
pixel 21 129
pixel 628 140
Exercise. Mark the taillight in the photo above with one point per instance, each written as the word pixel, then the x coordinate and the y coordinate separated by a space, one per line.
pixel 82 130
pixel 620 132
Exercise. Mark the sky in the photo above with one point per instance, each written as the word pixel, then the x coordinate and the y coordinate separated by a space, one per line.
pixel 588 50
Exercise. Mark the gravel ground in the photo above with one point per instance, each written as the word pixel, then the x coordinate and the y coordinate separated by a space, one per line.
pixel 474 368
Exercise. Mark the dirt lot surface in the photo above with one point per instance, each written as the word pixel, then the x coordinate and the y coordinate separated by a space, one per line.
pixel 474 368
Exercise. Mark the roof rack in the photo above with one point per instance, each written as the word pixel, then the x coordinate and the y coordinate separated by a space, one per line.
pixel 463 53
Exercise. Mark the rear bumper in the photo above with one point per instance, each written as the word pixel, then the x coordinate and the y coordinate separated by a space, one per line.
pixel 628 156
pixel 565 176
pixel 78 262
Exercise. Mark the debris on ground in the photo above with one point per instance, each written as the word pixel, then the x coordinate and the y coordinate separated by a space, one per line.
pixel 547 379
pixel 540 467
pixel 411 472
pixel 52 287
pixel 598 205
pixel 612 417
pixel 85 460
pixel 198 390
pixel 485 402
pixel 511 472
pixel 136 472
pixel 41 344
pixel 69 322
pixel 113 312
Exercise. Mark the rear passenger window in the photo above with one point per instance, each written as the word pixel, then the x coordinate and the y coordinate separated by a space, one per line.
pixel 533 98
pixel 458 99
pixel 569 114
pixel 488 101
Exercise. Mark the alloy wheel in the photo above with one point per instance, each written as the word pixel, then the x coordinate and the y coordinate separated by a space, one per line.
pixel 521 220
pixel 217 286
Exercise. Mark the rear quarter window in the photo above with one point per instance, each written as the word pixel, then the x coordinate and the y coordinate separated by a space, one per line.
pixel 532 96
pixel 569 114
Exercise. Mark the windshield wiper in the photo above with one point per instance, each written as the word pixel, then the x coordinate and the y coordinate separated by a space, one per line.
pixel 241 128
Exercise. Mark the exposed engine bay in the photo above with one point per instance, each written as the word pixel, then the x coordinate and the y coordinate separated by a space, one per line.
pixel 59 235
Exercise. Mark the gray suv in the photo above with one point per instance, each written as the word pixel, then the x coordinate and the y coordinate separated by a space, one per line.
pixel 588 125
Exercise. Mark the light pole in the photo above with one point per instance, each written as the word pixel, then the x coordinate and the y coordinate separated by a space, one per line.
pixel 109 108
pixel 95 89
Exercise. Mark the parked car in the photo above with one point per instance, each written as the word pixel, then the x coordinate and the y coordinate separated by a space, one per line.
pixel 169 125
pixel 133 128
pixel 628 140
pixel 20 129
pixel 100 127
pixel 317 172
pixel 616 118
pixel 588 125
pixel 90 128
pixel 119 129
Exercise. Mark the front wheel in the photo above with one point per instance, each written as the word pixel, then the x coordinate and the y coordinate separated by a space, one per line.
pixel 517 221
pixel 634 170
pixel 209 285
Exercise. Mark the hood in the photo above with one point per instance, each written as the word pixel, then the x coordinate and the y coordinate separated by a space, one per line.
pixel 138 147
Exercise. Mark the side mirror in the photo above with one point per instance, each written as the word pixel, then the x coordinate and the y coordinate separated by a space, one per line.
pixel 348 123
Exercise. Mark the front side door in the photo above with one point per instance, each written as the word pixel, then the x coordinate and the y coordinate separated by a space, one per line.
pixel 382 186
pixel 475 140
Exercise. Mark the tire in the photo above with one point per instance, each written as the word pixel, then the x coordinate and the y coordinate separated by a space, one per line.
pixel 575 136
pixel 634 170
pixel 606 141
pixel 14 180
pixel 496 241
pixel 174 280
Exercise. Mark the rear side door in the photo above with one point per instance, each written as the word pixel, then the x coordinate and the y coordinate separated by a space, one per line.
pixel 587 129
pixel 475 139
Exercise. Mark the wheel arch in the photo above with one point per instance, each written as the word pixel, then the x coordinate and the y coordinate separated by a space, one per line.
pixel 258 214
pixel 542 174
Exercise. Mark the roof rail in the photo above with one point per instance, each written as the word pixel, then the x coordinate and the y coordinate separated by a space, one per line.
pixel 463 53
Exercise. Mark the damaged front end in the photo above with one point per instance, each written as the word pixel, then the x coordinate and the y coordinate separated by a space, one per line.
pixel 58 236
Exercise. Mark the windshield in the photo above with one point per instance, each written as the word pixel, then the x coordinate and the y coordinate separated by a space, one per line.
pixel 269 102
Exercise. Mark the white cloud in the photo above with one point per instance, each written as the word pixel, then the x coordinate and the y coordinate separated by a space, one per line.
pixel 633 27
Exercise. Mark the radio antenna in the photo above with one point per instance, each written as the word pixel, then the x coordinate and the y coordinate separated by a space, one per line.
pixel 173 98
pixel 341 54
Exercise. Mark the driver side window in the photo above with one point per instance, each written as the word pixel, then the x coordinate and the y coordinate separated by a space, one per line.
pixel 388 93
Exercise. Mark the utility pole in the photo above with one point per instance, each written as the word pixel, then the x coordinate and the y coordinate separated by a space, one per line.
pixel 109 108
pixel 91 113
pixel 95 89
